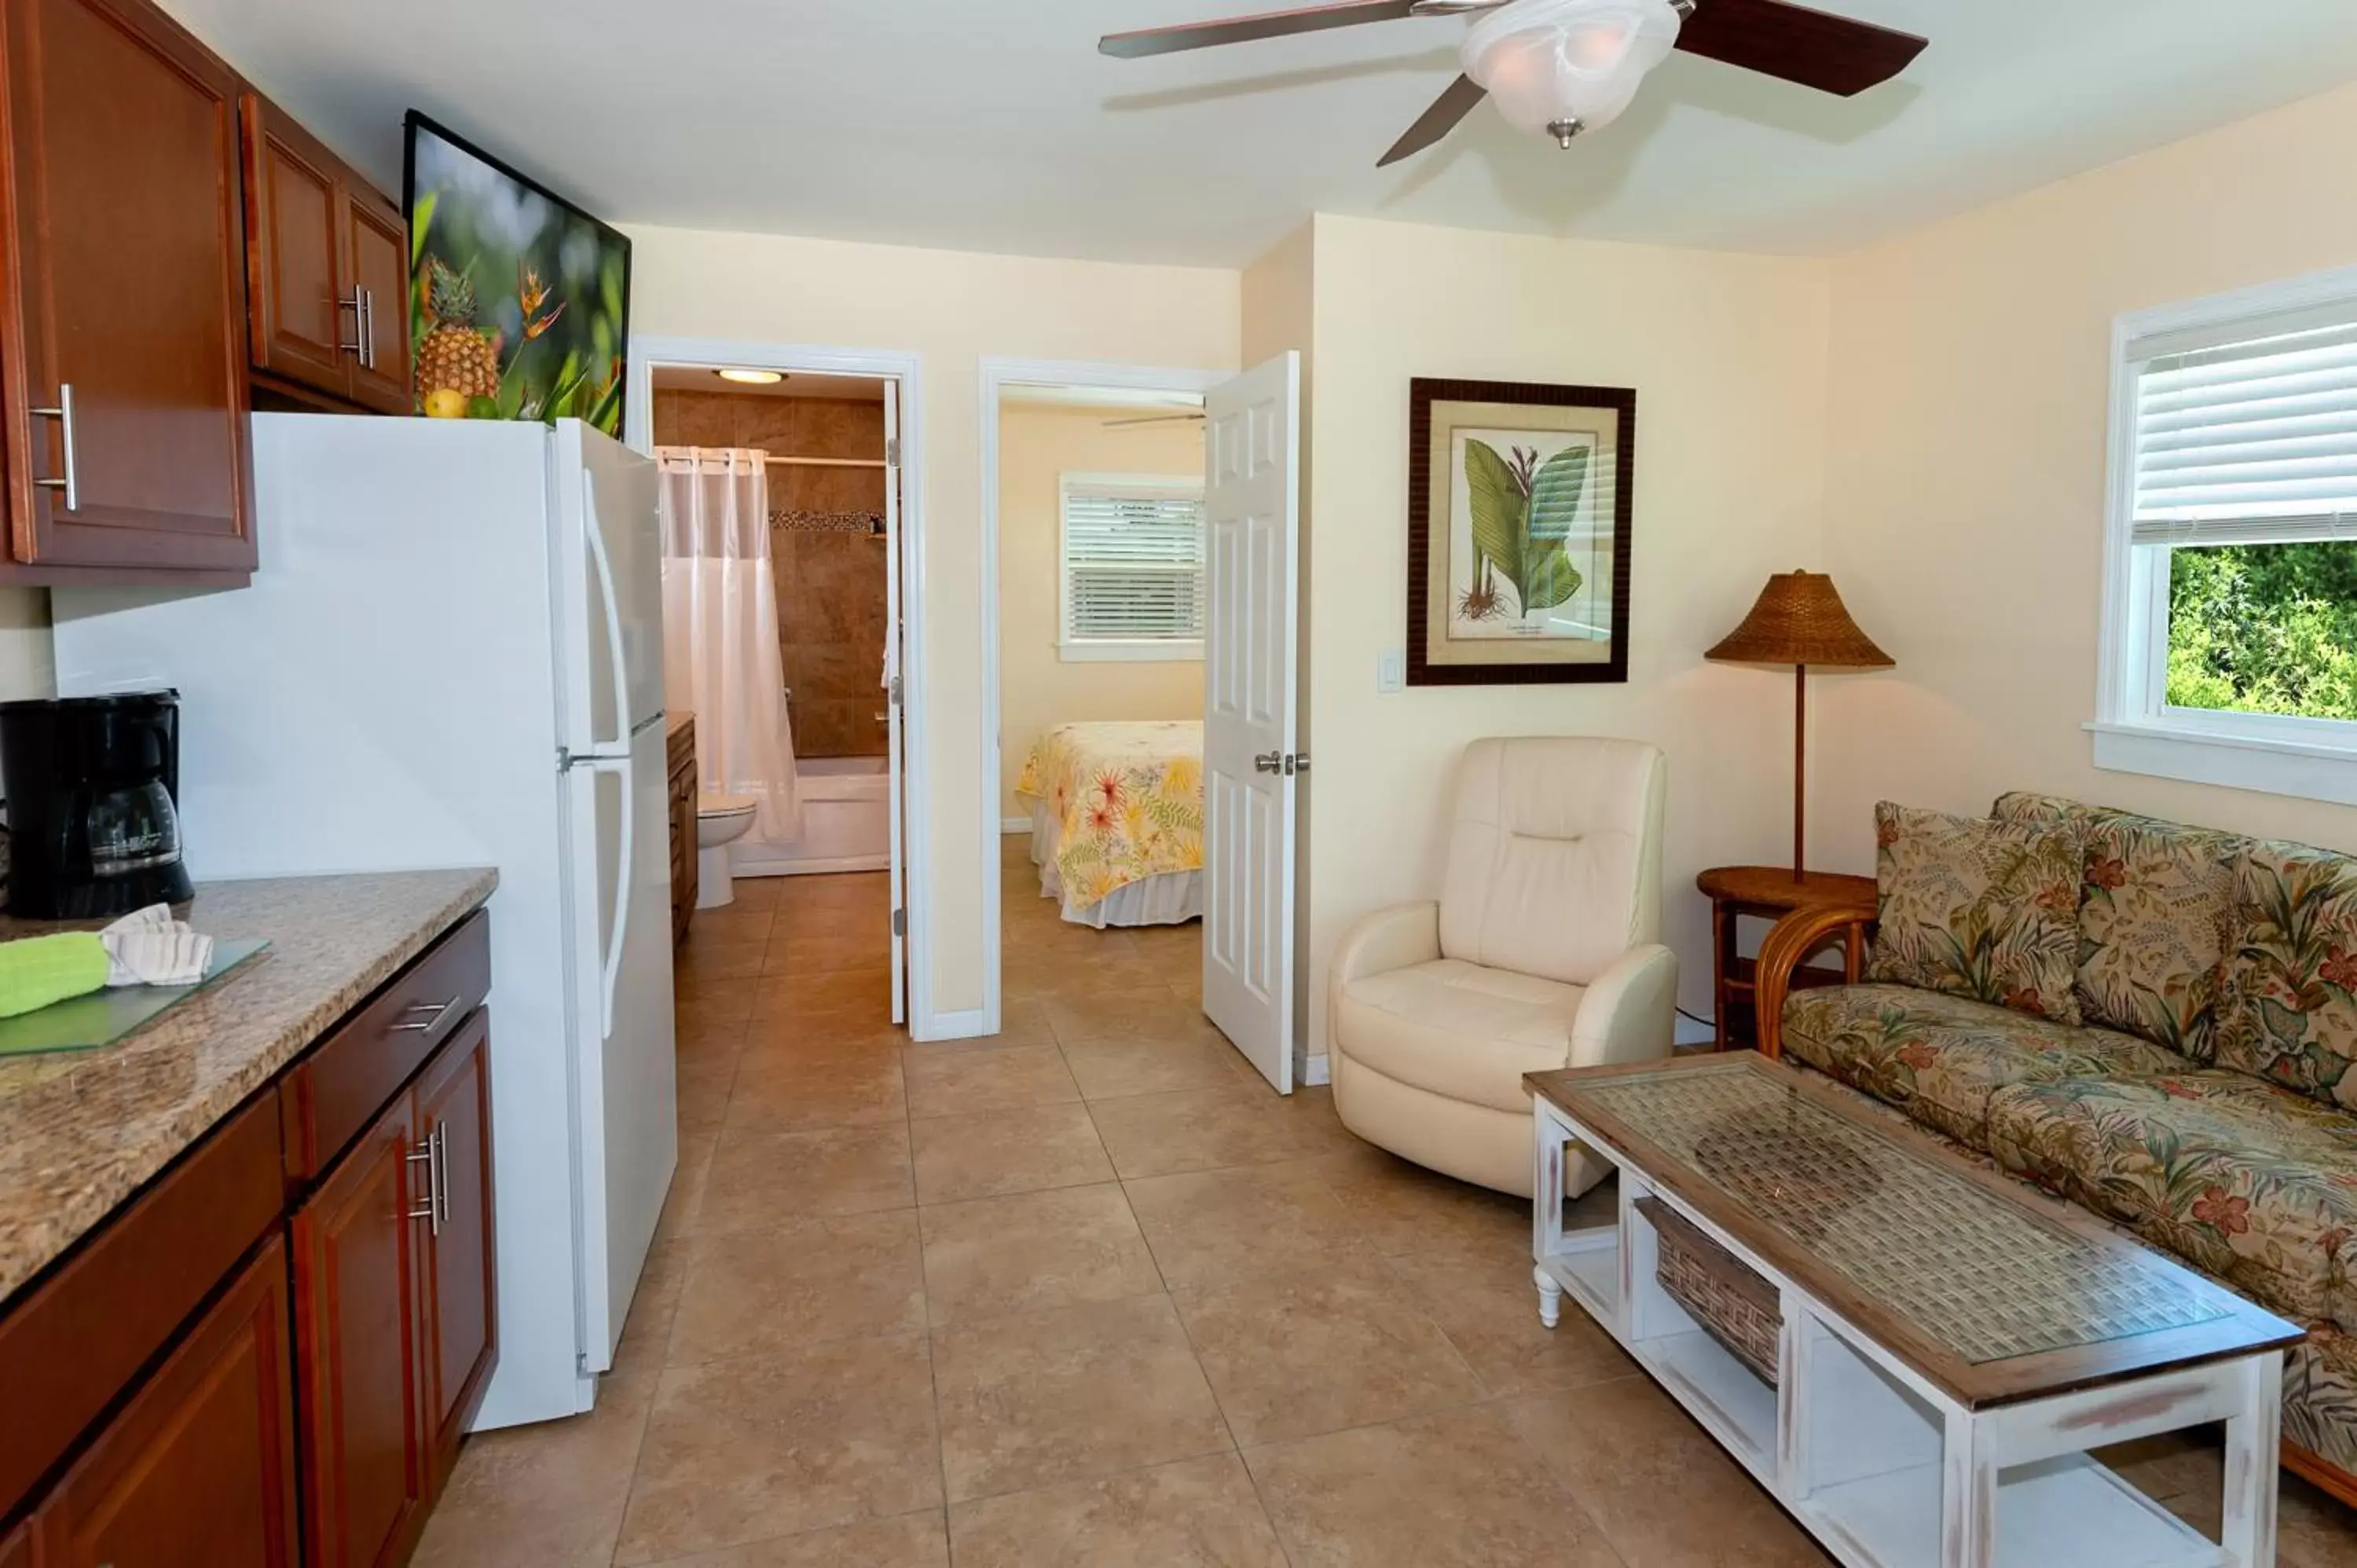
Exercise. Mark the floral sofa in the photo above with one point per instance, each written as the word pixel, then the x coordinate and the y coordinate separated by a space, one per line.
pixel 2190 1076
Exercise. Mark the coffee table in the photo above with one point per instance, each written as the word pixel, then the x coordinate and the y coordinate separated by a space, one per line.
pixel 1950 1349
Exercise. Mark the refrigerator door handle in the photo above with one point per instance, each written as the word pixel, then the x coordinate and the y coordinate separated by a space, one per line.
pixel 610 970
pixel 604 567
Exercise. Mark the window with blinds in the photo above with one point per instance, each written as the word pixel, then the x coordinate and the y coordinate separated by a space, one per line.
pixel 1132 565
pixel 2242 513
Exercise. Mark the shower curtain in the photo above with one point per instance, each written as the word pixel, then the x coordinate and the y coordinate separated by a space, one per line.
pixel 721 660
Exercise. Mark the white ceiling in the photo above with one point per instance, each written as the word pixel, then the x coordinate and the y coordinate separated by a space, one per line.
pixel 998 128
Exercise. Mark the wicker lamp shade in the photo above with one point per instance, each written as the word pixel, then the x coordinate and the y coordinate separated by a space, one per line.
pixel 1800 619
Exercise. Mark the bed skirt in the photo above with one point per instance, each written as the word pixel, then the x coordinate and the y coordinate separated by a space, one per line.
pixel 1171 898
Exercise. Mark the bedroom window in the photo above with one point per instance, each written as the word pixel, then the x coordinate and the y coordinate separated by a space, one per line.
pixel 1131 567
pixel 2231 648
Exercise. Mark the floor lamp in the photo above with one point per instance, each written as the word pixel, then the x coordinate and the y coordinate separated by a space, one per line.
pixel 1800 621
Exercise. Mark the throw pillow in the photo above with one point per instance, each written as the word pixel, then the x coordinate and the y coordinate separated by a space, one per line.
pixel 2290 1012
pixel 1978 908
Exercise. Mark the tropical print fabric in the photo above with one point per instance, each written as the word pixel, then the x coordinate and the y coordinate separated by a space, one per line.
pixel 2290 1009
pixel 1977 908
pixel 1941 1057
pixel 2155 918
pixel 2244 1181
pixel 1125 801
pixel 2319 1407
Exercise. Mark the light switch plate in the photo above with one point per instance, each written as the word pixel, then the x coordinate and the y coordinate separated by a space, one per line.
pixel 1391 670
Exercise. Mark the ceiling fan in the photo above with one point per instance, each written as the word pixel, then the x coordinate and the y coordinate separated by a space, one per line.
pixel 1560 67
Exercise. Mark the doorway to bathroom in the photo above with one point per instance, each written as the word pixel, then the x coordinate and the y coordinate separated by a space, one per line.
pixel 788 484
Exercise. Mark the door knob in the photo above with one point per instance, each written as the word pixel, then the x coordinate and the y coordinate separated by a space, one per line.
pixel 1268 762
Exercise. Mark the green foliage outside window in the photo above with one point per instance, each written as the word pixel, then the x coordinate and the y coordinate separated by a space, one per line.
pixel 2265 628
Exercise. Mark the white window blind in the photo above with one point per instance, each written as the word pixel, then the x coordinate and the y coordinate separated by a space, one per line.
pixel 1132 560
pixel 2252 441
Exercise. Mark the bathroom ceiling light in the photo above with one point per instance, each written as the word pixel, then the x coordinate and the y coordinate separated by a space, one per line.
pixel 1557 68
pixel 752 378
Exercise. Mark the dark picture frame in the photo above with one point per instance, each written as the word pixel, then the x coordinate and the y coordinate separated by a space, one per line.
pixel 555 347
pixel 1466 625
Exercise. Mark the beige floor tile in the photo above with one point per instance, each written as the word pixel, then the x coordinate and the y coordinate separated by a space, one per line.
pixel 996 1152
pixel 1046 1396
pixel 1453 1490
pixel 1490 1313
pixel 1033 1252
pixel 714 1002
pixel 739 922
pixel 1027 972
pixel 950 1082
pixel 768 1445
pixel 748 894
pixel 701 962
pixel 1308 1114
pixel 912 1540
pixel 1198 1058
pixel 688 1178
pixel 854 994
pixel 799 1282
pixel 1213 1228
pixel 758 1177
pixel 777 1096
pixel 538 1496
pixel 1403 1208
pixel 1293 1355
pixel 776 1041
pixel 1150 1011
pixel 1198 1513
pixel 844 944
pixel 646 1330
pixel 1203 1129
pixel 1022 1021
pixel 704 1097
pixel 1660 1490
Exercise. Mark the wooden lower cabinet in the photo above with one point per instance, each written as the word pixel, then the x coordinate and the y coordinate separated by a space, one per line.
pixel 683 887
pixel 198 1470
pixel 460 1290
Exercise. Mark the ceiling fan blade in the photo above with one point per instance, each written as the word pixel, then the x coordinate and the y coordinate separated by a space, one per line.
pixel 1245 29
pixel 1833 54
pixel 1454 104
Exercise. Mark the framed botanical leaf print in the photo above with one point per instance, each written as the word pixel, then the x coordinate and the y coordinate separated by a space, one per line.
pixel 1518 533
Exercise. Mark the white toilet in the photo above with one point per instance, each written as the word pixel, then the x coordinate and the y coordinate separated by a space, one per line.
pixel 720 820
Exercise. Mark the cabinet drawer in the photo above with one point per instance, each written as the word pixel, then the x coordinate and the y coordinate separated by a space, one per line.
pixel 79 1337
pixel 339 1088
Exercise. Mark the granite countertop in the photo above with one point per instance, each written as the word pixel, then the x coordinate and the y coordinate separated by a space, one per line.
pixel 81 1132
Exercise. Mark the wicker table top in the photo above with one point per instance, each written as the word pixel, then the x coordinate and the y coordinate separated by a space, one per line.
pixel 1987 1295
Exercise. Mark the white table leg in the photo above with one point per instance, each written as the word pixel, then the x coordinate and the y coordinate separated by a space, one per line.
pixel 1547 1209
pixel 1549 1297
pixel 1968 1472
pixel 2248 1526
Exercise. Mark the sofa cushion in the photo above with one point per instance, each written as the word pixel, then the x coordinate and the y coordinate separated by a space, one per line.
pixel 2289 1014
pixel 2249 1182
pixel 2155 918
pixel 1940 1058
pixel 1978 908
pixel 1459 1030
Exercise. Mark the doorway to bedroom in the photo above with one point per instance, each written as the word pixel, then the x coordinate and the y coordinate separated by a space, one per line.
pixel 1140 529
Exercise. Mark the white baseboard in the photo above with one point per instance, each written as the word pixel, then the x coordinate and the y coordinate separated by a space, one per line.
pixel 1015 824
pixel 1317 1070
pixel 972 1024
pixel 812 868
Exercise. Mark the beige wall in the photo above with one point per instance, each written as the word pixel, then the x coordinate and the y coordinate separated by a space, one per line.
pixel 1728 355
pixel 953 309
pixel 26 666
pixel 1970 374
pixel 1036 688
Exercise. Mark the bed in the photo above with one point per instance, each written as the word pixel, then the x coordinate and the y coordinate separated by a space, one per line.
pixel 1117 821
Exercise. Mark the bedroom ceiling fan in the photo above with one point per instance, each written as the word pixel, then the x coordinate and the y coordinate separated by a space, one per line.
pixel 1560 67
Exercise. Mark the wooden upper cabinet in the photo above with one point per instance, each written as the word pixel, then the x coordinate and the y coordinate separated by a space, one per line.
pixel 461 1334
pixel 327 268
pixel 122 209
pixel 357 1257
pixel 198 1470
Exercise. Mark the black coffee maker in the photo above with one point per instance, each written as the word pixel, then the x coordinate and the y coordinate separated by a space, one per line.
pixel 93 790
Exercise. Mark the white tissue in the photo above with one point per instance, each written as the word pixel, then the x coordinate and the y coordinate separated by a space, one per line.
pixel 150 948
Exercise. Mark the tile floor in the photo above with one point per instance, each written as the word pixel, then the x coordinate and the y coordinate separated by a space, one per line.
pixel 1088 1293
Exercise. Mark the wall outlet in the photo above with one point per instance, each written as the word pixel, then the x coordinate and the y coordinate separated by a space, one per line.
pixel 1391 670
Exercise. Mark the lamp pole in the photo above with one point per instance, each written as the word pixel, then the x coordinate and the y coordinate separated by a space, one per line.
pixel 1799 769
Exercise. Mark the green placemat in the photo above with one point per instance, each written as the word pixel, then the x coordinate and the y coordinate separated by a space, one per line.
pixel 102 1017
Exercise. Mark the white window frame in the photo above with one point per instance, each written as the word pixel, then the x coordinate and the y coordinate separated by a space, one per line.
pixel 2134 730
pixel 1074 649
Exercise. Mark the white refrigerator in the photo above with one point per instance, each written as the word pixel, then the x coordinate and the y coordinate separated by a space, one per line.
pixel 453 655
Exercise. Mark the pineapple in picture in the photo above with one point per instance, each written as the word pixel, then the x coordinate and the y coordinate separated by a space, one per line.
pixel 457 362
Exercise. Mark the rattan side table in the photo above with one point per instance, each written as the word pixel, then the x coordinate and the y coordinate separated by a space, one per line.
pixel 1768 893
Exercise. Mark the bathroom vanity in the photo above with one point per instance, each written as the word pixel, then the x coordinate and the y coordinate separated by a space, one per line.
pixel 247 1297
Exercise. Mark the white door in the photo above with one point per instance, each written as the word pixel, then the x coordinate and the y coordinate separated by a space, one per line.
pixel 606 550
pixel 895 700
pixel 1251 767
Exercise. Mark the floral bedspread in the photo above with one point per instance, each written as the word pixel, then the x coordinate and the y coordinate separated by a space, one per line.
pixel 1126 801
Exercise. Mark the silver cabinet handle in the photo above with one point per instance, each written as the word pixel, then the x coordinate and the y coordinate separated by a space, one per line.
pixel 1268 762
pixel 441 1142
pixel 358 306
pixel 368 328
pixel 439 1011
pixel 425 1151
pixel 64 414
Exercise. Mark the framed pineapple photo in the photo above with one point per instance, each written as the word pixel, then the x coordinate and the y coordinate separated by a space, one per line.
pixel 1519 517
pixel 519 300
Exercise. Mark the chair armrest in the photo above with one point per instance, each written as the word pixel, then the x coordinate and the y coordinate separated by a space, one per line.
pixel 1629 1013
pixel 1794 938
pixel 1387 939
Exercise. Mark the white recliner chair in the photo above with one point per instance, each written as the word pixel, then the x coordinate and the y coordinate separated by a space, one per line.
pixel 1542 952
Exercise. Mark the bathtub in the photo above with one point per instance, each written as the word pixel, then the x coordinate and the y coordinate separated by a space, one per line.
pixel 845 821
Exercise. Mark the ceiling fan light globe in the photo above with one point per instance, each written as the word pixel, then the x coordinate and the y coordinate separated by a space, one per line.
pixel 1546 62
